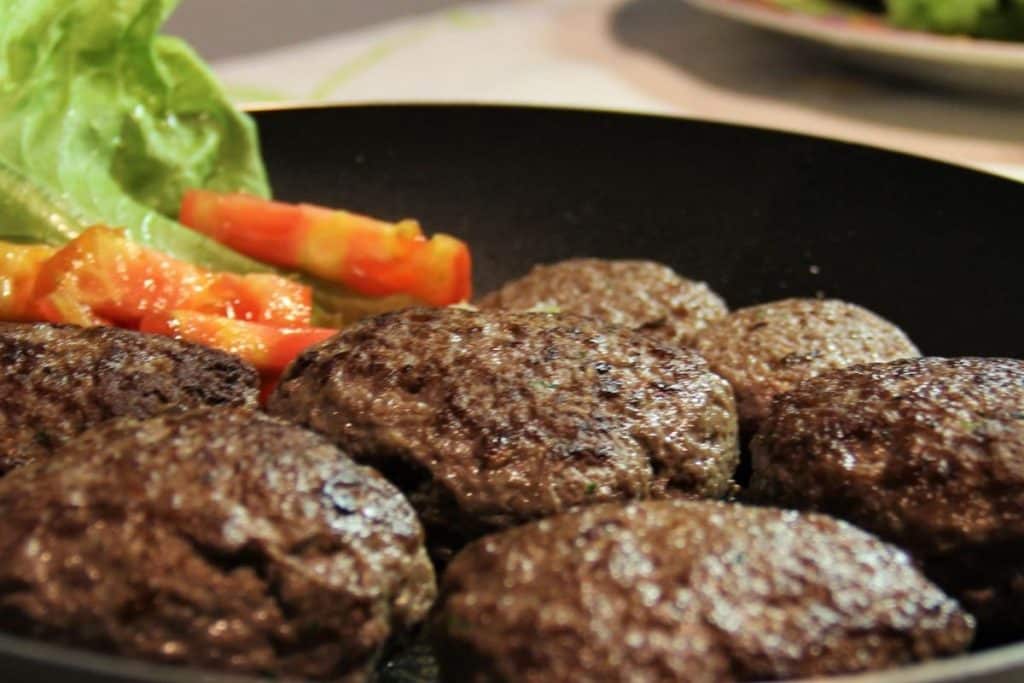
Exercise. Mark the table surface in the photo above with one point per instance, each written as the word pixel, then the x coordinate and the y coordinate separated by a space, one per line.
pixel 654 56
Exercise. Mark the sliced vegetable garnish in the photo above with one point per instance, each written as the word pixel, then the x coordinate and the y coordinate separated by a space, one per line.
pixel 100 112
pixel 257 297
pixel 62 307
pixel 268 348
pixel 369 256
pixel 115 278
pixel 30 213
pixel 19 267
pixel 101 276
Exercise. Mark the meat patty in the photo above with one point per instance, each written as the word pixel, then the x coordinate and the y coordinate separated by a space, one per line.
pixel 643 295
pixel 686 591
pixel 766 350
pixel 488 419
pixel 58 380
pixel 220 538
pixel 926 453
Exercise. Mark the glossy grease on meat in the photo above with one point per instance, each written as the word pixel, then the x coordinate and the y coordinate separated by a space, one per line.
pixel 689 592
pixel 768 349
pixel 926 453
pixel 220 538
pixel 58 380
pixel 646 296
pixel 490 419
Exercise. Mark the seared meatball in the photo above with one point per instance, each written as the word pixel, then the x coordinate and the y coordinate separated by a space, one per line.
pixel 58 380
pixel 489 419
pixel 686 591
pixel 926 453
pixel 220 538
pixel 642 295
pixel 766 350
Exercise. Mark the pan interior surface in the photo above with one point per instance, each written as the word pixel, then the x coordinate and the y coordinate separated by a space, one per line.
pixel 759 215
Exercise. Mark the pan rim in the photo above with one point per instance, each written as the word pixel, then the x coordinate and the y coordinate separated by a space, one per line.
pixel 258 108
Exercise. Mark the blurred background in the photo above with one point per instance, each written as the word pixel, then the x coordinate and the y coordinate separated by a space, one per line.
pixel 706 58
pixel 214 27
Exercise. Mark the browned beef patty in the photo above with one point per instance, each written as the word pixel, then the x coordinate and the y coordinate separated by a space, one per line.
pixel 220 538
pixel 926 453
pixel 766 350
pixel 686 591
pixel 642 295
pixel 58 380
pixel 488 419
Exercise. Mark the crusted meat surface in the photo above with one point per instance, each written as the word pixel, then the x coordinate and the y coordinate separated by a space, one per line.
pixel 58 380
pixel 926 453
pixel 490 419
pixel 219 538
pixel 766 350
pixel 643 295
pixel 686 591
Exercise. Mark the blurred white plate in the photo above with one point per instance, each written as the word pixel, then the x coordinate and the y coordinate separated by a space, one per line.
pixel 863 37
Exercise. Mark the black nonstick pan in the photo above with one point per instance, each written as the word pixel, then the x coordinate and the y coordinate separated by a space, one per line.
pixel 758 214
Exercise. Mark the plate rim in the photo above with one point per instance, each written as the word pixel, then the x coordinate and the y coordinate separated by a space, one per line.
pixel 935 48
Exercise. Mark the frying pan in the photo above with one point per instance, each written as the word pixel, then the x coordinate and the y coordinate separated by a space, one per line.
pixel 758 214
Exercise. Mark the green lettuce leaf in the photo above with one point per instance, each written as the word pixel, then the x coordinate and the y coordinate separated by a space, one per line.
pixel 114 122
pixel 985 18
pixel 29 214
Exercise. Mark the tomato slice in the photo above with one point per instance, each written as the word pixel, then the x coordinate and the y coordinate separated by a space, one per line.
pixel 116 279
pixel 102 276
pixel 262 298
pixel 270 349
pixel 19 268
pixel 372 257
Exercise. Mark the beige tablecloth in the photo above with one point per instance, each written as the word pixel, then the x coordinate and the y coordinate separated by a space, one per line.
pixel 659 56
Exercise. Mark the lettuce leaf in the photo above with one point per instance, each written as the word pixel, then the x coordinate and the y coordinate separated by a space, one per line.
pixel 985 18
pixel 29 214
pixel 115 122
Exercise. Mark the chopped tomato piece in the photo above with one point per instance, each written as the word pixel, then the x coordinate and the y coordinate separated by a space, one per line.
pixel 60 306
pixel 270 349
pixel 257 297
pixel 268 382
pixel 19 267
pixel 102 276
pixel 116 279
pixel 372 257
